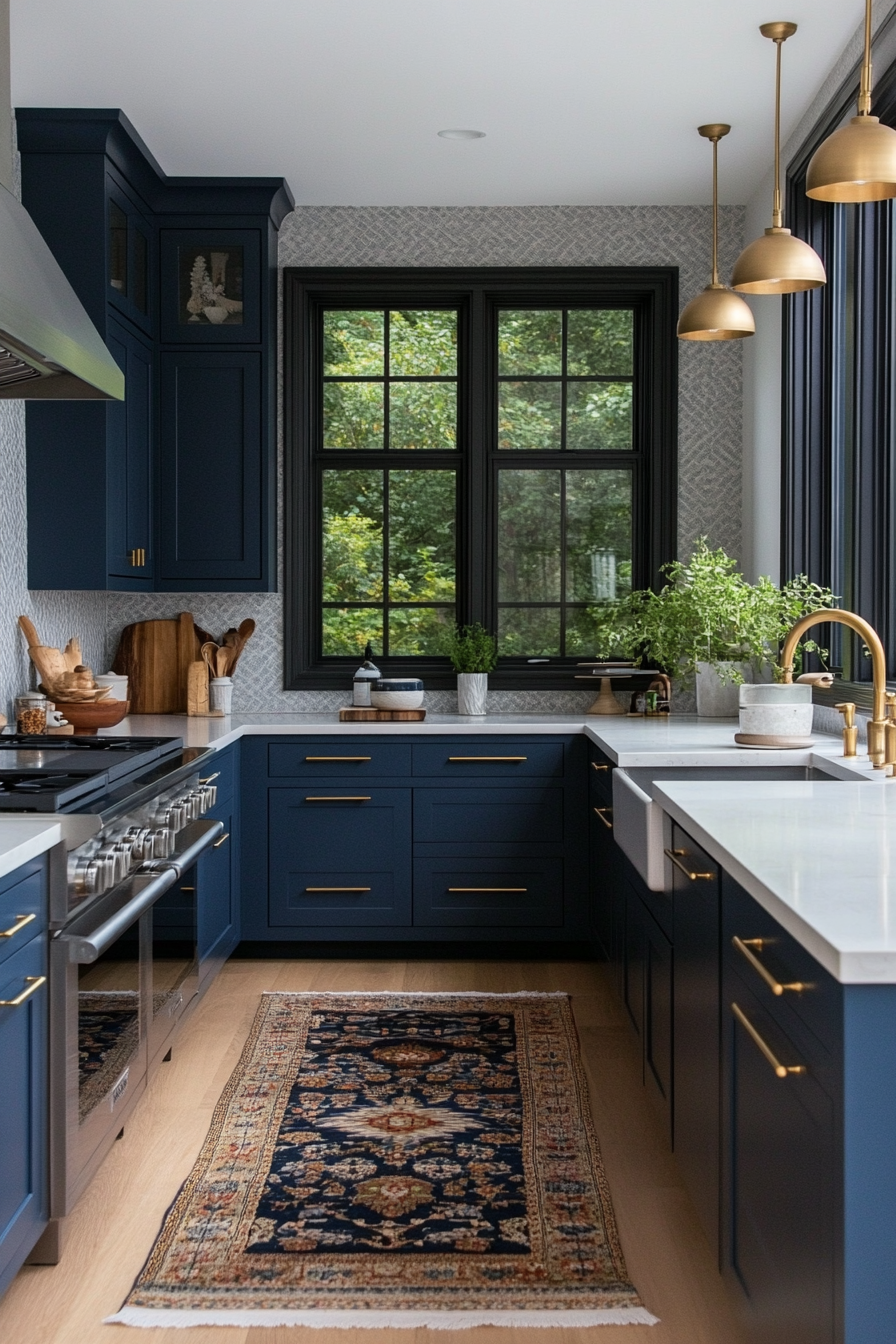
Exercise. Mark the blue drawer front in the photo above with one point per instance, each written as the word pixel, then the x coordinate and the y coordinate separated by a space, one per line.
pixel 222 764
pixel 472 757
pixel 494 893
pixel 500 816
pixel 23 1053
pixel 324 841
pixel 17 903
pixel 338 759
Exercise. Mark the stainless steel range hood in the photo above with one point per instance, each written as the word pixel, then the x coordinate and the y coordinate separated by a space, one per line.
pixel 49 348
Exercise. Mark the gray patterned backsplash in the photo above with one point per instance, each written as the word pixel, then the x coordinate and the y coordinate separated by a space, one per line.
pixel 710 423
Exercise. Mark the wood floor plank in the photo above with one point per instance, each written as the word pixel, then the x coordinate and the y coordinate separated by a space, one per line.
pixel 114 1225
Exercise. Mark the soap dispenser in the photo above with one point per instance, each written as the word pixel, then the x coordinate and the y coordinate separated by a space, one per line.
pixel 365 675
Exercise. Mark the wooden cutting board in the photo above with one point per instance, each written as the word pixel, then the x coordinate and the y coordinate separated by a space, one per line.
pixel 155 656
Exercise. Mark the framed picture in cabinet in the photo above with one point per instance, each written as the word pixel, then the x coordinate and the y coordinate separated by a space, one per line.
pixel 211 286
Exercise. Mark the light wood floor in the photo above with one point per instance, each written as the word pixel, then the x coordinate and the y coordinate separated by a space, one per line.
pixel 112 1229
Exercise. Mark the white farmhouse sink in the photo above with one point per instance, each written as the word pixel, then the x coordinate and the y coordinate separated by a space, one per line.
pixel 638 819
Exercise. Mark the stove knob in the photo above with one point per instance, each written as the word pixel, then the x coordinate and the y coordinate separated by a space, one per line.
pixel 162 842
pixel 84 876
pixel 140 838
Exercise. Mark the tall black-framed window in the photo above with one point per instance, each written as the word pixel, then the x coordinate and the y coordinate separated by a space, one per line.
pixel 472 445
pixel 839 425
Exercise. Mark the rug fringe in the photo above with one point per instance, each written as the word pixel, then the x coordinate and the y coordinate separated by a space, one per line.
pixel 411 994
pixel 148 1318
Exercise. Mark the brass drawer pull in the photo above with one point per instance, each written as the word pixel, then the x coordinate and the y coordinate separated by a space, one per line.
pixel 219 843
pixel 781 1070
pixel 33 982
pixel 340 798
pixel 488 888
pixel 137 557
pixel 338 758
pixel 21 921
pixel 744 945
pixel 208 779
pixel 488 758
pixel 602 813
pixel 673 854
pixel 595 766
pixel 337 888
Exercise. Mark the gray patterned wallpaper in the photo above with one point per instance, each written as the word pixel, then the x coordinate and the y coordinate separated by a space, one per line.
pixel 710 415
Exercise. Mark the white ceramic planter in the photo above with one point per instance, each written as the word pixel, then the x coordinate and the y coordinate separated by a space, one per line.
pixel 717 699
pixel 776 710
pixel 472 692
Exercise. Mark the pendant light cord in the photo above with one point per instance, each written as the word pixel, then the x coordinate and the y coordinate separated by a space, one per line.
pixel 715 210
pixel 865 84
pixel 777 215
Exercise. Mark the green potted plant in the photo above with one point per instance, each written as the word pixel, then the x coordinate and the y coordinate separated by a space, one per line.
pixel 473 652
pixel 710 621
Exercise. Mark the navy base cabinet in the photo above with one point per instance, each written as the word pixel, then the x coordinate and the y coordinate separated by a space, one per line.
pixel 425 838
pixel 218 872
pixel 24 1050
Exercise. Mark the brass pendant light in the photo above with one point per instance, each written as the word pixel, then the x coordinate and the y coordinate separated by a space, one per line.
pixel 777 263
pixel 858 162
pixel 716 314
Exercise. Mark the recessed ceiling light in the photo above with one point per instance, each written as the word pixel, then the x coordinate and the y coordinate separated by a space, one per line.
pixel 462 135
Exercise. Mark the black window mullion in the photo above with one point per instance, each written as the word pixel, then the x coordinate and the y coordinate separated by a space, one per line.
pixel 386 584
pixel 563 561
pixel 564 330
pixel 386 389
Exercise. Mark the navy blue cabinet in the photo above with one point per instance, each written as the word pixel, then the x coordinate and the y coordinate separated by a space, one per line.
pixel 218 873
pixel 24 1152
pixel 354 838
pixel 173 490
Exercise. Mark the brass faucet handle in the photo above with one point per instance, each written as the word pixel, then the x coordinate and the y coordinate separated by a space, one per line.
pixel 848 710
pixel 850 731
pixel 891 705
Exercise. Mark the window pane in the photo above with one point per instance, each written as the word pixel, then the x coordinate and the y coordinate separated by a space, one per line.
pixel 419 630
pixel 599 415
pixel 530 342
pixel 529 415
pixel 423 343
pixel 529 536
pixel 353 415
pixel 599 340
pixel 354 346
pixel 423 415
pixel 347 630
pixel 352 536
pixel 528 632
pixel 598 535
pixel 422 506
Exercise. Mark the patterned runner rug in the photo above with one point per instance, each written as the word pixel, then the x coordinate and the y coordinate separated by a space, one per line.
pixel 396 1160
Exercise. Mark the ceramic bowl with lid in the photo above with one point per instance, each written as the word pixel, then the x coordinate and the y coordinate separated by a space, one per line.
pixel 397 693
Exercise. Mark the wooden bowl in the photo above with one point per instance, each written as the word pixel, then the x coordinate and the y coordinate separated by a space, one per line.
pixel 88 716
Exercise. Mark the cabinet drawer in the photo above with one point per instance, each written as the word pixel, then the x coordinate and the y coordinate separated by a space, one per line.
pixel 346 759
pixel 475 757
pixel 23 1065
pixel 493 815
pixel 305 898
pixel 497 893
pixel 772 964
pixel 22 913
pixel 600 777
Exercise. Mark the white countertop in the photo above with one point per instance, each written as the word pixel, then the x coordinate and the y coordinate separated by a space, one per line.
pixel 24 838
pixel 820 857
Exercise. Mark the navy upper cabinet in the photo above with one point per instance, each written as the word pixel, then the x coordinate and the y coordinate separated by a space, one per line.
pixel 174 489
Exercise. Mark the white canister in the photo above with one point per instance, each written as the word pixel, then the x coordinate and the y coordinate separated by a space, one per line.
pixel 776 710
pixel 117 682
pixel 220 693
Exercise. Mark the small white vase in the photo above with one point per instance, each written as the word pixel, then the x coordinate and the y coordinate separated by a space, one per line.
pixel 472 691
pixel 717 699
pixel 220 693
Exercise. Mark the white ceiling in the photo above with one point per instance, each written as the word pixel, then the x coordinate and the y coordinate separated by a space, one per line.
pixel 584 102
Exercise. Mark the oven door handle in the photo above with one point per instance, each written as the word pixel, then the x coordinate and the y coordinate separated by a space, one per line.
pixel 84 948
pixel 192 842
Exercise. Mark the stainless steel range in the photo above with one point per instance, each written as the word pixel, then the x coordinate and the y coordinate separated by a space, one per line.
pixel 123 951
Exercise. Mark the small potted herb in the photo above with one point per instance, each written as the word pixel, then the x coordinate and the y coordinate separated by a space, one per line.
pixel 473 653
pixel 709 620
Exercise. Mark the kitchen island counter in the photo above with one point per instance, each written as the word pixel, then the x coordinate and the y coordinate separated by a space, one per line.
pixel 25 838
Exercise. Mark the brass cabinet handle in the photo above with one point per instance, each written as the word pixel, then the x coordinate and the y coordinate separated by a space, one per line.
pixel 208 779
pixel 137 557
pixel 337 888
pixel 21 921
pixel 488 888
pixel 217 845
pixel 488 758
pixel 601 812
pixel 744 945
pixel 337 758
pixel 341 798
pixel 595 766
pixel 781 1070
pixel 33 982
pixel 673 855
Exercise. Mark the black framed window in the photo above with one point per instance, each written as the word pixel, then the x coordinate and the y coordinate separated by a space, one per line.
pixel 494 446
pixel 839 439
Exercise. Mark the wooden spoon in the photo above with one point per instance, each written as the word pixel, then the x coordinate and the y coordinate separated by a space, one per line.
pixel 221 660
pixel 244 634
pixel 209 651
